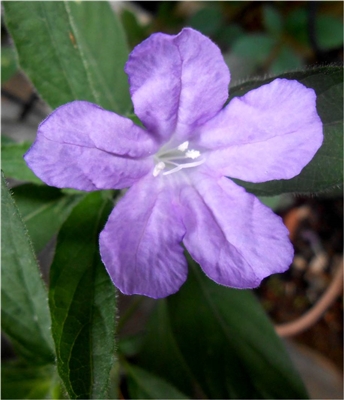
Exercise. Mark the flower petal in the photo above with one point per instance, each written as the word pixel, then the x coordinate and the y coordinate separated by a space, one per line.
pixel 140 244
pixel 177 82
pixel 269 133
pixel 236 240
pixel 84 147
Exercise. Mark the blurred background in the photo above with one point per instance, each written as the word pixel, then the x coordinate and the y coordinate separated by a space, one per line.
pixel 257 38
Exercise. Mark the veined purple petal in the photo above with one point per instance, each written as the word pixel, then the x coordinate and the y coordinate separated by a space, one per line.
pixel 140 244
pixel 236 240
pixel 177 82
pixel 85 147
pixel 269 133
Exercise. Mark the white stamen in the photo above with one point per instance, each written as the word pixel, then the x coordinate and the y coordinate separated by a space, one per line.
pixel 183 146
pixel 176 159
pixel 158 168
pixel 192 154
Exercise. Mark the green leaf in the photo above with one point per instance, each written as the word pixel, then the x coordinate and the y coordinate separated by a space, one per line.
pixel 160 354
pixel 28 382
pixel 129 346
pixel 325 171
pixel 13 164
pixel 43 210
pixel 279 202
pixel 8 63
pixel 208 20
pixel 145 385
pixel 82 302
pixel 285 60
pixel 6 140
pixel 134 31
pixel 24 307
pixel 329 31
pixel 240 68
pixel 228 342
pixel 296 25
pixel 254 47
pixel 228 34
pixel 272 20
pixel 71 50
pixel 100 35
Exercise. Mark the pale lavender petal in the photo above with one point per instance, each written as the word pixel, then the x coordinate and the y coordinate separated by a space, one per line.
pixel 140 244
pixel 177 82
pixel 269 133
pixel 236 240
pixel 84 147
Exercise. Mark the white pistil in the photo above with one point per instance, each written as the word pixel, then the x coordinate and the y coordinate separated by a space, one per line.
pixel 177 157
pixel 181 166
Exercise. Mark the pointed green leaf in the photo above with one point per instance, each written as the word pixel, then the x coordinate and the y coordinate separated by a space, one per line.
pixel 71 50
pixel 145 385
pixel 13 164
pixel 27 382
pixel 24 307
pixel 95 23
pixel 43 210
pixel 229 343
pixel 82 302
pixel 325 171
pixel 160 354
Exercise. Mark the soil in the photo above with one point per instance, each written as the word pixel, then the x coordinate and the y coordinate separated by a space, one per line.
pixel 316 230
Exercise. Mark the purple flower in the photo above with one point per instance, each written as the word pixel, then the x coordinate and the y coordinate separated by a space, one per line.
pixel 177 166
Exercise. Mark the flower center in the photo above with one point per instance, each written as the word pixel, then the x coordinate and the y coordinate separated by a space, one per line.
pixel 173 160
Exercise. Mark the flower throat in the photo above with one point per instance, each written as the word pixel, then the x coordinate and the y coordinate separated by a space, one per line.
pixel 176 159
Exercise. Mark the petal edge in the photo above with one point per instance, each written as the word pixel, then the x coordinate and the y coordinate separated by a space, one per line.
pixel 236 240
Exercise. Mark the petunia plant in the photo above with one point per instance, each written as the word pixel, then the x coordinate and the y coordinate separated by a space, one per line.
pixel 173 214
